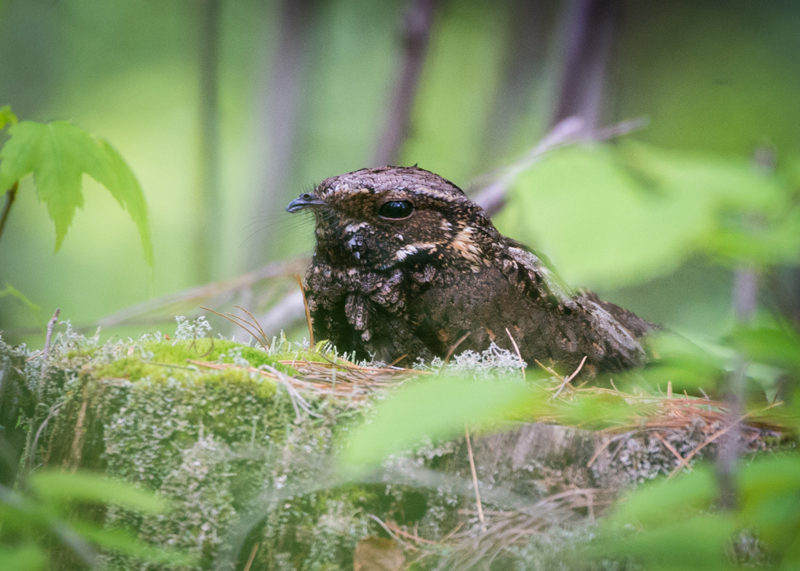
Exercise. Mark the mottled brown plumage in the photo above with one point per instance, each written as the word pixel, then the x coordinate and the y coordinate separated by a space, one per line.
pixel 407 267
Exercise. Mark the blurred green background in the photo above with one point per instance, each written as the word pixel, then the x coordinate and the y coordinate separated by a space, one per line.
pixel 255 102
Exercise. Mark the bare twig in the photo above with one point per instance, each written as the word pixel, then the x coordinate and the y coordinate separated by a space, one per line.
pixel 745 295
pixel 745 290
pixel 474 473
pixel 393 532
pixel 206 291
pixel 416 538
pixel 11 194
pixel 568 380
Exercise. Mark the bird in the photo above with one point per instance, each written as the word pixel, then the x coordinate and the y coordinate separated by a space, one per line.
pixel 407 268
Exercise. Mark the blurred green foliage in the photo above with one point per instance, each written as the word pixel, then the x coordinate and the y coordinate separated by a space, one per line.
pixel 673 524
pixel 626 213
pixel 43 526
pixel 479 404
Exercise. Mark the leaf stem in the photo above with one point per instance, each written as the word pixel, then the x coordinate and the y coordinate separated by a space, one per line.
pixel 11 194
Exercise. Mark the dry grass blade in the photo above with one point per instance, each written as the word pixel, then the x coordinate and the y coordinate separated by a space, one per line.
pixel 515 527
pixel 568 380
pixel 474 474
pixel 685 462
pixel 395 532
pixel 516 350
pixel 669 447
pixel 345 372
pixel 250 326
pixel 263 339
pixel 252 557
pixel 308 311
pixel 333 378
pixel 455 346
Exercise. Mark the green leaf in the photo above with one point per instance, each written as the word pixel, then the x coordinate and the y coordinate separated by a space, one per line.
pixel 125 542
pixel 618 215
pixel 438 408
pixel 770 499
pixel 63 487
pixel 686 363
pixel 7 117
pixel 24 557
pixel 665 524
pixel 693 543
pixel 770 342
pixel 658 502
pixel 58 154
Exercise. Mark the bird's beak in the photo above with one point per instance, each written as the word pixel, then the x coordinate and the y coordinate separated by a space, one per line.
pixel 304 200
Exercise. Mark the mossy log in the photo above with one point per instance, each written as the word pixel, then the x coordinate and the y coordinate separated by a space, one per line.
pixel 246 458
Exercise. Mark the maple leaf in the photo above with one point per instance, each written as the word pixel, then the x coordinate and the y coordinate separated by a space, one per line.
pixel 58 154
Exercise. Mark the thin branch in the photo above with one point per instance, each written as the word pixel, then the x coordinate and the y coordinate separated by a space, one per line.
pixel 392 532
pixel 416 32
pixel 568 379
pixel 745 291
pixel 11 194
pixel 570 131
pixel 589 37
pixel 206 291
pixel 745 300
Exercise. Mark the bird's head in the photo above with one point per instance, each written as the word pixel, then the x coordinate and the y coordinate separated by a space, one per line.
pixel 384 217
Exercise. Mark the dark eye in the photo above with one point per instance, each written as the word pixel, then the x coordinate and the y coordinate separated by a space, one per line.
pixel 396 209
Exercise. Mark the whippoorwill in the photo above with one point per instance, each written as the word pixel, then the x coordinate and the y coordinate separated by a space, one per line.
pixel 406 266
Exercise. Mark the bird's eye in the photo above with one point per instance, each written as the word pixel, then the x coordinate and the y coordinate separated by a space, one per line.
pixel 396 209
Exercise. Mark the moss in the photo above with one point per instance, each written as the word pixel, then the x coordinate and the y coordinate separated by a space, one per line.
pixel 164 359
